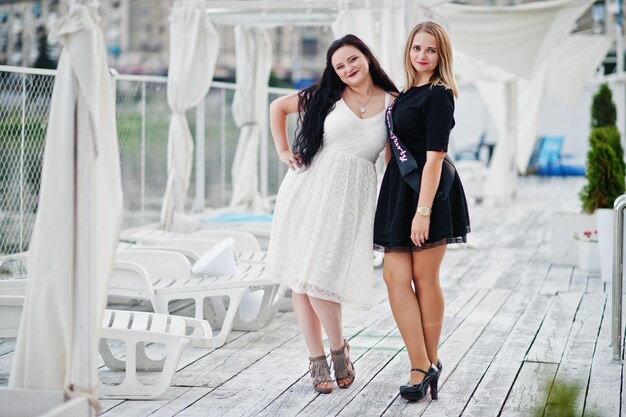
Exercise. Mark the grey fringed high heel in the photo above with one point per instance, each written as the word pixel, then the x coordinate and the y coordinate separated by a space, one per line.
pixel 342 365
pixel 320 372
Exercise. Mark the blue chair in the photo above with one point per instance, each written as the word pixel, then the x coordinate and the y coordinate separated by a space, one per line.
pixel 547 159
pixel 474 153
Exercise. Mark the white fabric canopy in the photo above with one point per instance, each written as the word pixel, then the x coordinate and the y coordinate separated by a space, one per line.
pixel 393 35
pixel 194 44
pixel 359 22
pixel 78 218
pixel 510 71
pixel 572 62
pixel 384 31
pixel 253 56
pixel 514 38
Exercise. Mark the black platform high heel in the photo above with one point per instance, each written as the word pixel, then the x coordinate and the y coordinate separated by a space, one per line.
pixel 418 391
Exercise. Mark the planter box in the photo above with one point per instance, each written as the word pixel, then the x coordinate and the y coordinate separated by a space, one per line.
pixel 588 257
pixel 563 249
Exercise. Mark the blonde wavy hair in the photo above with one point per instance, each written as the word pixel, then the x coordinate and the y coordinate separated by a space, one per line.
pixel 443 75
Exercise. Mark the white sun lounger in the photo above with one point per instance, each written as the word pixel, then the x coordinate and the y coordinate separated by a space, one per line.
pixel 194 248
pixel 135 329
pixel 162 277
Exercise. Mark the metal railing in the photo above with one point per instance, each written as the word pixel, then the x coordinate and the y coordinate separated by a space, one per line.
pixel 618 274
pixel 143 115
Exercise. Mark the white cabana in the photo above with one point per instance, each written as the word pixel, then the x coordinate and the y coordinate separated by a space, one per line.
pixel 254 62
pixel 571 62
pixel 194 44
pixel 518 40
pixel 78 220
pixel 513 38
pixel 510 72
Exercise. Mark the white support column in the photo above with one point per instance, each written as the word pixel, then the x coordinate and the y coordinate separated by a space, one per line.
pixel 511 130
pixel 198 203
pixel 263 149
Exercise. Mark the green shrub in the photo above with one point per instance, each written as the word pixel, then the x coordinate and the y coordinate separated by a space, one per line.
pixel 605 172
pixel 603 112
pixel 561 401
pixel 605 158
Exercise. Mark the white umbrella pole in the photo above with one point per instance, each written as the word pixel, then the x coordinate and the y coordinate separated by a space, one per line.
pixel 198 203
pixel 83 365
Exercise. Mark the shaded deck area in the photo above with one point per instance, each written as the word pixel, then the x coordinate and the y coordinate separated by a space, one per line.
pixel 514 325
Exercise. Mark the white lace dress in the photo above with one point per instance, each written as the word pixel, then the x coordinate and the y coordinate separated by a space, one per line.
pixel 322 229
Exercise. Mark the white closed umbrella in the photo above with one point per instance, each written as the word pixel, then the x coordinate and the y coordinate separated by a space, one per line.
pixel 514 38
pixel 358 22
pixel 253 52
pixel 194 44
pixel 78 220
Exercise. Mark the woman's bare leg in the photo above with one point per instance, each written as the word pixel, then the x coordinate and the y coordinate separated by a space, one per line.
pixel 310 325
pixel 426 266
pixel 330 315
pixel 398 275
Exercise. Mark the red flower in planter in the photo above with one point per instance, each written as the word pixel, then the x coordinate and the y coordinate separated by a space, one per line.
pixel 587 236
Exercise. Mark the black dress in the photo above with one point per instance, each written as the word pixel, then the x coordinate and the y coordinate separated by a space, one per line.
pixel 423 117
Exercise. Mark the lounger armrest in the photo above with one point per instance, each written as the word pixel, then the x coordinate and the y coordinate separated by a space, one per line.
pixel 199 331
pixel 244 241
pixel 158 264
pixel 130 279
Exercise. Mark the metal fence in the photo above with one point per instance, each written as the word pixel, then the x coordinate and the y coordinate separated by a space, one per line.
pixel 142 123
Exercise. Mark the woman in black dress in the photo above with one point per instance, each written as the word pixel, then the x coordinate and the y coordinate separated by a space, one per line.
pixel 411 227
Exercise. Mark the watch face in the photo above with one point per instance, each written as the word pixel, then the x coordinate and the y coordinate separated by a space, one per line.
pixel 424 211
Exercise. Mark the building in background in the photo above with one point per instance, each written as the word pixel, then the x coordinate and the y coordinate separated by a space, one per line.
pixel 137 37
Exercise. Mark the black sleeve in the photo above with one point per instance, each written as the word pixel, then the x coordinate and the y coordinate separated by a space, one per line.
pixel 439 114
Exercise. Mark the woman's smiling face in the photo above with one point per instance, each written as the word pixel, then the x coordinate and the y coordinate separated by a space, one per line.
pixel 424 54
pixel 351 66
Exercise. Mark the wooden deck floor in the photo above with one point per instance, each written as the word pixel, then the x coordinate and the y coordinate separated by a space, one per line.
pixel 514 325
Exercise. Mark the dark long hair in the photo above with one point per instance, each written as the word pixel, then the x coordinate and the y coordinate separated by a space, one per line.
pixel 316 101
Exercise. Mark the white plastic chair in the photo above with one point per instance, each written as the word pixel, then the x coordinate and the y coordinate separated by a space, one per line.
pixel 162 277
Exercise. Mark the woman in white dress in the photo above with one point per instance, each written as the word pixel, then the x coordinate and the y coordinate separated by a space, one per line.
pixel 321 240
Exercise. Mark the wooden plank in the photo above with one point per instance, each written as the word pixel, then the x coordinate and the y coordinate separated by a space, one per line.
pixel 370 351
pixel 144 408
pixel 6 346
pixel 606 378
pixel 256 386
pixel 578 282
pixel 462 383
pixel 558 279
pixel 532 275
pixel 498 265
pixel 223 364
pixel 181 402
pixel 5 367
pixel 595 284
pixel 514 271
pixel 451 352
pixel 490 394
pixel 459 342
pixel 575 365
pixel 108 404
pixel 464 296
pixel 552 337
pixel 529 391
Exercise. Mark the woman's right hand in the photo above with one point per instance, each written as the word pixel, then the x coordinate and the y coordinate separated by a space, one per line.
pixel 290 159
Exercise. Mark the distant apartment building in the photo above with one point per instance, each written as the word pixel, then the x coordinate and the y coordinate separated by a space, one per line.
pixel 137 36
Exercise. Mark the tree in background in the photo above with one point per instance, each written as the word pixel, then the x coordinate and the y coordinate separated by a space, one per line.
pixel 43 50
pixel 605 158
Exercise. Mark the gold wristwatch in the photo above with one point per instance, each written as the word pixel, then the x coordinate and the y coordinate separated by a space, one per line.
pixel 424 211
